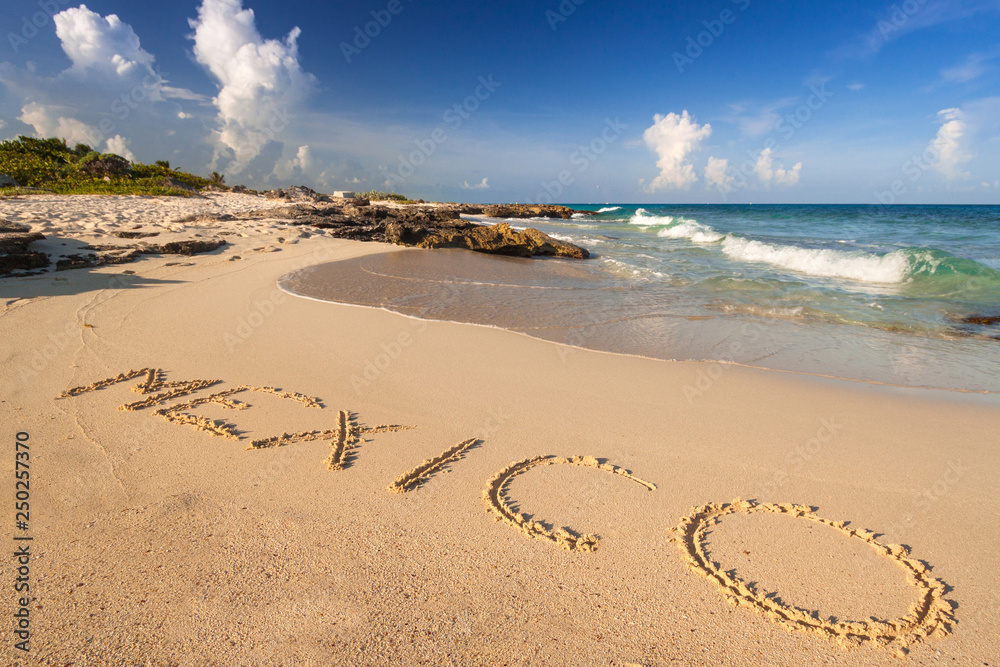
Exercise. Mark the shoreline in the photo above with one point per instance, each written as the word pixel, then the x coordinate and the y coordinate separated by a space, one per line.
pixel 268 553
pixel 444 284
pixel 735 364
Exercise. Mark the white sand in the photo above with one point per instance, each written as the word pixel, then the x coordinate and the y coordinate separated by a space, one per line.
pixel 158 542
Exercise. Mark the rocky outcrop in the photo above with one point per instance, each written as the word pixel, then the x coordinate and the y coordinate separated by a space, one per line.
pixel 174 184
pixel 7 182
pixel 188 247
pixel 424 227
pixel 497 239
pixel 300 193
pixel 520 211
pixel 14 253
pixel 135 235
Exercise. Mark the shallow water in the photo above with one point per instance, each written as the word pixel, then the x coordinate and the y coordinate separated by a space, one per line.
pixel 587 305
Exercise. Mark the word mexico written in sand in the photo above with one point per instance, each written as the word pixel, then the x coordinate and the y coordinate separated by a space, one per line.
pixel 344 439
pixel 931 615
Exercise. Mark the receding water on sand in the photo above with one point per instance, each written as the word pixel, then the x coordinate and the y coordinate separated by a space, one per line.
pixel 582 304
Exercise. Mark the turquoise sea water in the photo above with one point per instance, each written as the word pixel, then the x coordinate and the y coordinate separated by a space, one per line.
pixel 909 269
pixel 894 294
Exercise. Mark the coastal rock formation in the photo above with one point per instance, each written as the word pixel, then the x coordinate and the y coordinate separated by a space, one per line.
pixel 423 227
pixel 497 239
pixel 14 253
pixel 174 184
pixel 297 193
pixel 187 247
pixel 530 211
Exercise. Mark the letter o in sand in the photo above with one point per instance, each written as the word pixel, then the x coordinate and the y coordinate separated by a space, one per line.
pixel 931 614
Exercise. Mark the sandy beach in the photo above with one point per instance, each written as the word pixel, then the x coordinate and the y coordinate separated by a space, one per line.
pixel 248 519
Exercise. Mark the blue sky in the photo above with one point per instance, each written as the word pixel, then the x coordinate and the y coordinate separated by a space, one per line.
pixel 573 101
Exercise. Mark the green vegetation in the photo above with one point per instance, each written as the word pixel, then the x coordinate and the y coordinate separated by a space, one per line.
pixel 376 195
pixel 52 165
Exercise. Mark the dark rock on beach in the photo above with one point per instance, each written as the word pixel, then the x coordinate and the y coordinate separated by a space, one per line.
pixel 174 184
pixel 424 227
pixel 111 254
pixel 14 253
pixel 530 211
pixel 297 193
pixel 135 235
pixel 497 239
pixel 189 247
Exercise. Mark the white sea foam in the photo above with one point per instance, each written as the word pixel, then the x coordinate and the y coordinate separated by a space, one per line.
pixel 575 239
pixel 644 219
pixel 609 209
pixel 691 230
pixel 579 216
pixel 861 266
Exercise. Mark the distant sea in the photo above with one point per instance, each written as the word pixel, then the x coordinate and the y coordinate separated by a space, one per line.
pixel 901 295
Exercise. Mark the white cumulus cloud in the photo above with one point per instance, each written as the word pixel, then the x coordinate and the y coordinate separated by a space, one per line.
pixel 49 121
pixel 302 163
pixel 673 138
pixel 261 81
pixel 102 44
pixel 768 174
pixel 950 145
pixel 109 90
pixel 119 146
pixel 717 174
pixel 482 185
